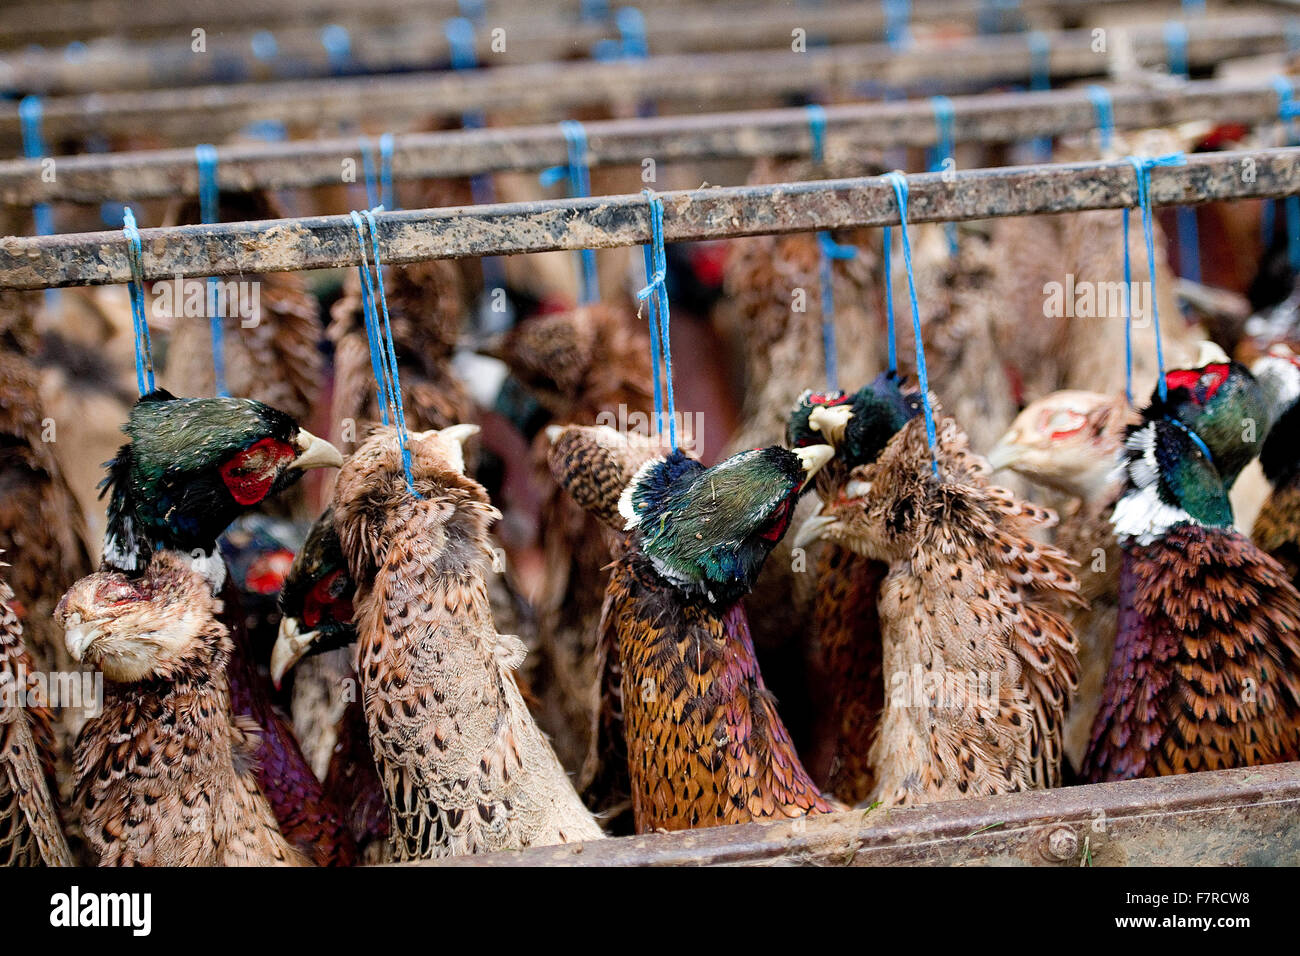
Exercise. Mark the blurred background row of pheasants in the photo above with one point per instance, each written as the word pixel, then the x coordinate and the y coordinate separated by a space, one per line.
pixel 575 631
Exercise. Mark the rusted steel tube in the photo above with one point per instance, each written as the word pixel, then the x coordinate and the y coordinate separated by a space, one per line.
pixel 603 222
pixel 1004 117
pixel 211 113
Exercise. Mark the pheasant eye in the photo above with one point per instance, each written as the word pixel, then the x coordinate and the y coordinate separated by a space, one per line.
pixel 1063 422
pixel 250 474
pixel 327 600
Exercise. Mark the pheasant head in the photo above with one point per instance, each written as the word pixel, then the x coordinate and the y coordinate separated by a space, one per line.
pixel 160 624
pixel 192 466
pixel 1168 481
pixel 1069 440
pixel 315 601
pixel 858 426
pixel 708 530
pixel 372 502
pixel 1278 374
pixel 1225 405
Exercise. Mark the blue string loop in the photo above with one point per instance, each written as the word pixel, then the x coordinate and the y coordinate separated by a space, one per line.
pixel 945 150
pixel 898 14
pixel 205 155
pixel 31 113
pixel 655 295
pixel 1142 166
pixel 379 334
pixel 1287 110
pixel 1175 34
pixel 817 132
pixel 888 268
pixel 1104 107
pixel 575 139
pixel 144 380
pixel 460 42
pixel 899 182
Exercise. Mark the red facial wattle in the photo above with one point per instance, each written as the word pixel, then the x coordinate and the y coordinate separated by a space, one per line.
pixel 324 602
pixel 249 475
pixel 780 521
pixel 1201 384
pixel 268 572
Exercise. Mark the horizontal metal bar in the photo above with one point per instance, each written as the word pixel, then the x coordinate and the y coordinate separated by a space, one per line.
pixel 23 23
pixel 1245 817
pixel 1003 117
pixel 211 113
pixel 421 43
pixel 508 229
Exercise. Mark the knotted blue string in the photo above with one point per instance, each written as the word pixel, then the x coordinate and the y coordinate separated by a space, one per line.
pixel 898 14
pixel 1143 166
pixel 379 333
pixel 1286 112
pixel 655 295
pixel 899 182
pixel 889 300
pixel 1104 108
pixel 829 250
pixel 945 150
pixel 143 347
pixel 579 173
pixel 205 155
pixel 338 46
pixel 1040 78
pixel 1176 47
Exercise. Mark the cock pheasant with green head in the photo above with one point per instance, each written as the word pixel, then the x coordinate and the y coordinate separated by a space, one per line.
pixel 1206 668
pixel 705 744
pixel 192 465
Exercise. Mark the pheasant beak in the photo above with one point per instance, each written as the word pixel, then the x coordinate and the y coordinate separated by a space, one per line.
pixel 830 420
pixel 812 529
pixel 314 452
pixel 78 637
pixel 813 458
pixel 1005 454
pixel 291 645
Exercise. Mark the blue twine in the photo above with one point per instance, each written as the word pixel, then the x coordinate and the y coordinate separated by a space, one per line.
pixel 1128 315
pixel 1040 78
pixel 383 358
pixel 472 10
pixel 338 46
pixel 1200 443
pixel 143 347
pixel 1287 112
pixel 829 250
pixel 386 198
pixel 1104 107
pixel 460 41
pixel 631 31
pixel 993 12
pixel 31 112
pixel 1143 166
pixel 264 45
pixel 590 10
pixel 368 172
pixel 655 293
pixel 817 131
pixel 898 14
pixel 209 212
pixel 575 139
pixel 1176 47
pixel 899 182
pixel 1189 243
pixel 946 149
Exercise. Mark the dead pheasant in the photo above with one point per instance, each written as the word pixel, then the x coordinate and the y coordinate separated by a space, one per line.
pixel 31 833
pixel 978 659
pixel 165 773
pixel 1072 442
pixel 1206 672
pixel 1277 528
pixel 464 766
pixel 705 744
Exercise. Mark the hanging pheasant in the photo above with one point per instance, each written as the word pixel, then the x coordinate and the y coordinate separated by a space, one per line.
pixel 1206 672
pixel 191 466
pixel 164 773
pixel 978 659
pixel 845 652
pixel 31 833
pixel 580 365
pixel 317 611
pixel 1072 442
pixel 705 744
pixel 464 767
pixel 1277 528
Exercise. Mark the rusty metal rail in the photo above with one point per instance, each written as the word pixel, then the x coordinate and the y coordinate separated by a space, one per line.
pixel 508 229
pixel 1246 817
pixel 1004 117
pixel 23 23
pixel 212 113
pixel 420 42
